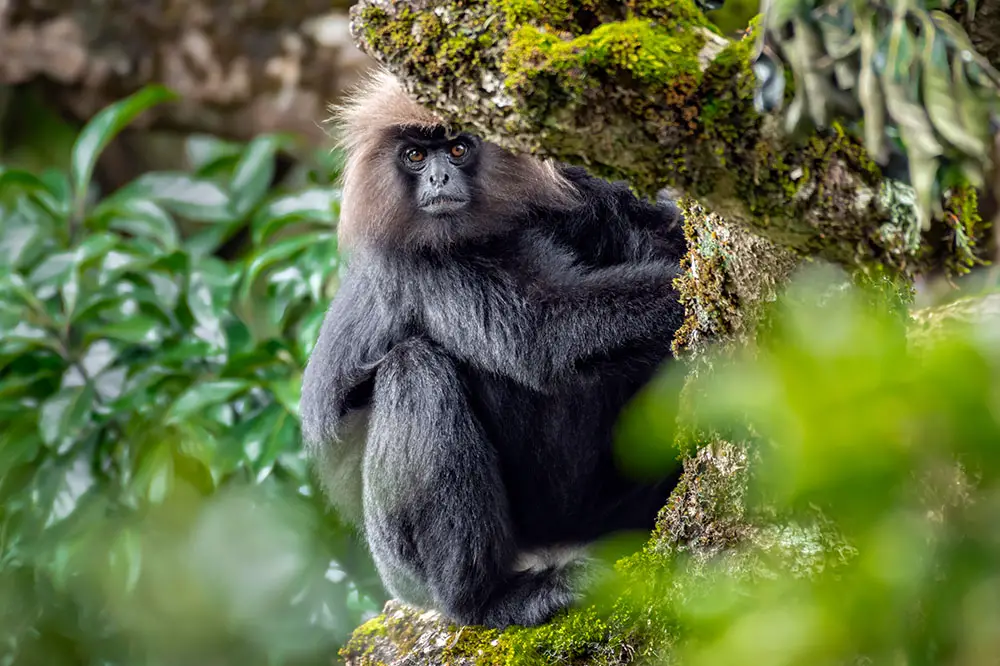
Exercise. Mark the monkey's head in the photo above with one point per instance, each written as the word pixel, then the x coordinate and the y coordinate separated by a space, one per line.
pixel 411 182
pixel 439 172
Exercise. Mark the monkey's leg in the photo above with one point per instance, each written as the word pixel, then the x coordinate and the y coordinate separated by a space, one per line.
pixel 434 502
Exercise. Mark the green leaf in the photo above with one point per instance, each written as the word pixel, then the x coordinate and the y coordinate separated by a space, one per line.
pixel 208 297
pixel 16 290
pixel 780 12
pixel 975 111
pixel 196 199
pixel 61 484
pixel 942 100
pixel 259 440
pixel 913 123
pixel 192 467
pixel 871 97
pixel 136 330
pixel 57 182
pixel 253 175
pixel 202 150
pixel 18 448
pixel 282 251
pixel 143 218
pixel 29 336
pixel 16 184
pixel 94 247
pixel 645 432
pixel 211 239
pixel 64 415
pixel 280 438
pixel 25 237
pixel 102 128
pixel 15 387
pixel 308 332
pixel 318 204
pixel 287 392
pixel 154 476
pixel 202 396
pixel 182 354
pixel 166 290
pixel 125 557
pixel 53 270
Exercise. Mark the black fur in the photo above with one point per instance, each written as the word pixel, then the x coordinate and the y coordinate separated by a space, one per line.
pixel 488 377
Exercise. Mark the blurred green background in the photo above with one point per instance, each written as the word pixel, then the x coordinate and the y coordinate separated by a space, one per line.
pixel 155 504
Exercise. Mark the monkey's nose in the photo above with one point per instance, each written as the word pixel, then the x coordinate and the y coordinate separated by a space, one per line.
pixel 439 179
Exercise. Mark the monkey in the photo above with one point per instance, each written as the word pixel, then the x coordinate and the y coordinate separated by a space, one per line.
pixel 496 313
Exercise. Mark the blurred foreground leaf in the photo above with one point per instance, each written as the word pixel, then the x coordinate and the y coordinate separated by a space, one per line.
pixel 874 495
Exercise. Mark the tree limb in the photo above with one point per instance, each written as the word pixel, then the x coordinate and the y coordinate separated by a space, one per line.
pixel 646 91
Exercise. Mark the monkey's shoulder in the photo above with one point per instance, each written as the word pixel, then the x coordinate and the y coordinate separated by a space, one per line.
pixel 603 198
pixel 611 224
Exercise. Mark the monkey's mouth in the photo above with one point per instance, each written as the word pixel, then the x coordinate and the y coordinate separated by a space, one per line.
pixel 443 205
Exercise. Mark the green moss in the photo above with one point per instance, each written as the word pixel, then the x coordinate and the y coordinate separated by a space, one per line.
pixel 557 81
pixel 703 284
pixel 580 636
pixel 966 233
pixel 678 13
pixel 578 17
pixel 629 622
pixel 363 639
pixel 546 12
pixel 650 54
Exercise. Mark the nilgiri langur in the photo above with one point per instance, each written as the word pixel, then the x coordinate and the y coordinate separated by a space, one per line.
pixel 496 314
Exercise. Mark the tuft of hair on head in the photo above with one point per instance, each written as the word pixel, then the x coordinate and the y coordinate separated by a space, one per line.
pixel 374 209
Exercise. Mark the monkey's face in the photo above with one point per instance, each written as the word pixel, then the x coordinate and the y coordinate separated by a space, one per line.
pixel 440 171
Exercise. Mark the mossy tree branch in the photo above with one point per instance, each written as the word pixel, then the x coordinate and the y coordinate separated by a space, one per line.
pixel 649 92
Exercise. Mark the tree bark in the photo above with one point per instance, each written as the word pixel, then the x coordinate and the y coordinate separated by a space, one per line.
pixel 984 29
pixel 241 68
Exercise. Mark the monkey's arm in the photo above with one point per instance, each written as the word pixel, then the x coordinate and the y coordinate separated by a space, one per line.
pixel 614 226
pixel 561 316
pixel 351 340
pixel 336 388
pixel 629 310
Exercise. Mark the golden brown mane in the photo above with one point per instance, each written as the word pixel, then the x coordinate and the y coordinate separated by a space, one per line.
pixel 373 208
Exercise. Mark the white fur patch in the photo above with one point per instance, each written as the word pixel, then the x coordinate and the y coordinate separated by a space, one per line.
pixel 547 558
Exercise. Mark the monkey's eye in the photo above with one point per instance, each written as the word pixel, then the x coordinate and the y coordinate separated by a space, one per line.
pixel 415 155
pixel 459 150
